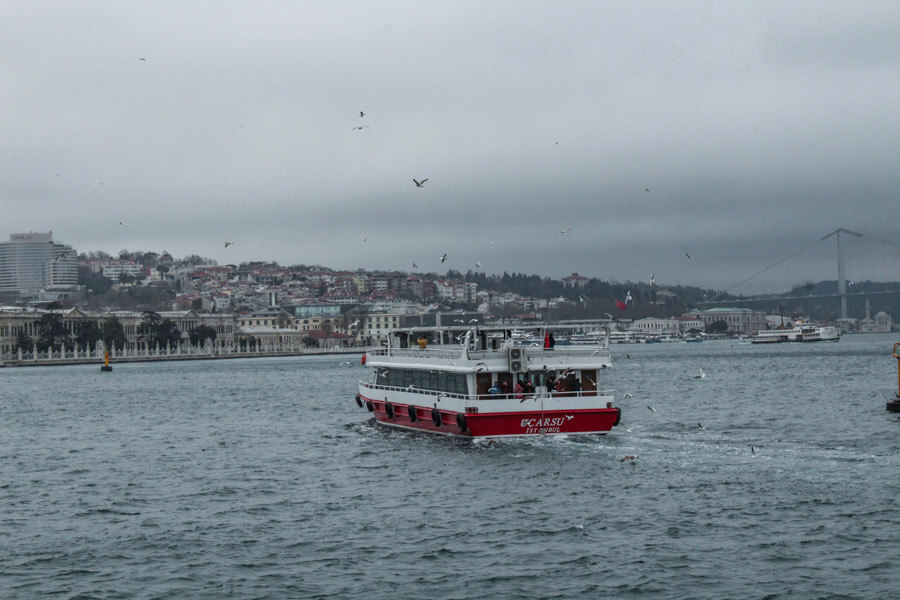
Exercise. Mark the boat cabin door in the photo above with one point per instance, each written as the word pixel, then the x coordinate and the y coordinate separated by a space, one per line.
pixel 482 384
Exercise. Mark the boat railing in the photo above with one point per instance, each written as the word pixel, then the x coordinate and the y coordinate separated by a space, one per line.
pixel 443 353
pixel 488 397
pixel 542 395
pixel 394 388
pixel 448 354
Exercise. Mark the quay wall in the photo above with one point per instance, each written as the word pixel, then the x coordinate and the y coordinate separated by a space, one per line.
pixel 73 357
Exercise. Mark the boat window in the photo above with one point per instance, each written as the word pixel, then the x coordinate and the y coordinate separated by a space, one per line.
pixel 453 383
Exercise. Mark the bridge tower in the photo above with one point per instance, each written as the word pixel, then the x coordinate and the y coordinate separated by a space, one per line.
pixel 842 280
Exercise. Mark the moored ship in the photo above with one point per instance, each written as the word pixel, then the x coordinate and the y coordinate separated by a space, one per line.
pixel 481 383
pixel 800 332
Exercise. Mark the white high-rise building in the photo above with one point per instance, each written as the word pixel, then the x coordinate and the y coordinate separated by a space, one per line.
pixel 30 262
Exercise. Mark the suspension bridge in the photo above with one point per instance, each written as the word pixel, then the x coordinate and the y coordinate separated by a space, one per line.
pixel 871 260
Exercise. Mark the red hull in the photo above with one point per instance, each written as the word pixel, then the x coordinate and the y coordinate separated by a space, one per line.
pixel 523 423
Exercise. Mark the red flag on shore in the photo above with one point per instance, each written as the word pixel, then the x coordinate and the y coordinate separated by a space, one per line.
pixel 620 305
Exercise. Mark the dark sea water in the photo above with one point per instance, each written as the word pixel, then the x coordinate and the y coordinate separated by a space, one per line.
pixel 261 478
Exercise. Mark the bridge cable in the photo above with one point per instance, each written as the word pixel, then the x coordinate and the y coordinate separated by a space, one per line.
pixel 773 265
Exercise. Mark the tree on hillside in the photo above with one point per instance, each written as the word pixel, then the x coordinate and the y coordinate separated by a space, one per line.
pixel 94 283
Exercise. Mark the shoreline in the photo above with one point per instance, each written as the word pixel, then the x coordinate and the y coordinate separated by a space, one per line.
pixel 55 362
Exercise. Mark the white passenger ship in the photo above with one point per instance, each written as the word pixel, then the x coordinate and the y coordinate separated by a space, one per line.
pixel 464 383
pixel 800 332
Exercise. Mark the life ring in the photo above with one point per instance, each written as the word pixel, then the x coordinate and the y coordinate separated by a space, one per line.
pixel 436 417
pixel 461 421
pixel 389 410
pixel 359 401
pixel 362 361
pixel 618 416
pixel 411 410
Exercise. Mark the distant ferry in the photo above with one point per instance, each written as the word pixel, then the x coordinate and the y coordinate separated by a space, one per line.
pixel 621 337
pixel 481 382
pixel 800 332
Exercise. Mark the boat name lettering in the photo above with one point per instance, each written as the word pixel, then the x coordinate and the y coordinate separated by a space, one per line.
pixel 548 422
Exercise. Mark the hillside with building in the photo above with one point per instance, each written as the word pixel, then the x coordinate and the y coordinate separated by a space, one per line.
pixel 46 286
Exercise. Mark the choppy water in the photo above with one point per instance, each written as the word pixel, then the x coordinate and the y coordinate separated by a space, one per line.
pixel 262 479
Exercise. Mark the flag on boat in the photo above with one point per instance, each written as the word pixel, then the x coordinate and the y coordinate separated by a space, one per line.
pixel 620 305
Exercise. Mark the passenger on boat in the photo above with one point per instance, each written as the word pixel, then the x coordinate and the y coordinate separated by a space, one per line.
pixel 494 389
pixel 423 342
pixel 551 383
pixel 529 387
pixel 561 386
pixel 519 390
pixel 504 387
pixel 549 341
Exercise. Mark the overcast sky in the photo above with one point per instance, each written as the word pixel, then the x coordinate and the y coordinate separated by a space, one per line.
pixel 757 128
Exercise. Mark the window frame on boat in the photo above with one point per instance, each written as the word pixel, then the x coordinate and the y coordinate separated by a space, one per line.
pixel 423 380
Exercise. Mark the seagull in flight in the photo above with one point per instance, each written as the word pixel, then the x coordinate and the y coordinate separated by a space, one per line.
pixel 362 114
pixel 142 59
pixel 629 457
pixel 701 375
pixel 686 254
pixel 646 189
pixel 228 244
pixel 626 396
pixel 444 257
pixel 346 362
pixel 477 265
pixel 419 183
pixel 652 280
pixel 360 127
pixel 651 409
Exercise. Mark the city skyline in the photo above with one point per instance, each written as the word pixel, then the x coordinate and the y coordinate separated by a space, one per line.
pixel 701 146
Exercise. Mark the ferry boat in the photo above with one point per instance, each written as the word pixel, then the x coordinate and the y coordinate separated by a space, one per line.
pixel 589 338
pixel 622 337
pixel 463 383
pixel 800 332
